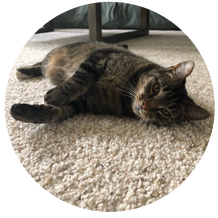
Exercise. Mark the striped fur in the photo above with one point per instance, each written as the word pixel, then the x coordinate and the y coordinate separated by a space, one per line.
pixel 107 79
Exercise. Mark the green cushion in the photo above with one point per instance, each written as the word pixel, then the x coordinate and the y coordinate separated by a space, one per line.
pixel 114 16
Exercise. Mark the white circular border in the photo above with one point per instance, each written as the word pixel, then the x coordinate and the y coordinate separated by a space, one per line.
pixel 194 41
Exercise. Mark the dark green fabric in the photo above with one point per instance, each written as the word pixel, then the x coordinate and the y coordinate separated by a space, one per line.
pixel 114 16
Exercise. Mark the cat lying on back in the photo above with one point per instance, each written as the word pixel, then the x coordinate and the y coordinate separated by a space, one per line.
pixel 107 79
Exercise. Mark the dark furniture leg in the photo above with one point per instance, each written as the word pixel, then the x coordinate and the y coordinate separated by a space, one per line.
pixel 94 16
pixel 95 29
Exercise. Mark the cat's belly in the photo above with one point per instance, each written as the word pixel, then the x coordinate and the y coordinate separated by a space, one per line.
pixel 107 101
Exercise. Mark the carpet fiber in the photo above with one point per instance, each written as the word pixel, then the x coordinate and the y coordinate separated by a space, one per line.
pixel 107 163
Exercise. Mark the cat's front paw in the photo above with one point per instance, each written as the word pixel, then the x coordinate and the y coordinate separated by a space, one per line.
pixel 56 97
pixel 35 113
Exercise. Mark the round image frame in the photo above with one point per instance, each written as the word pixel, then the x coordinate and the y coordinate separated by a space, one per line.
pixel 15 145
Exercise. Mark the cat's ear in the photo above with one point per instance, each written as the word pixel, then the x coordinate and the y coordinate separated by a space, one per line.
pixel 195 112
pixel 182 70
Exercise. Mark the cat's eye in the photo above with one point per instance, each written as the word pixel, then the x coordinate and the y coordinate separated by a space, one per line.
pixel 156 88
pixel 165 112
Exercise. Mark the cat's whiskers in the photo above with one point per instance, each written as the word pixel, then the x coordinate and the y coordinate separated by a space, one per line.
pixel 140 122
pixel 125 87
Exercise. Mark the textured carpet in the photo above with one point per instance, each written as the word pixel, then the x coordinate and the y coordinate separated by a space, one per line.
pixel 106 163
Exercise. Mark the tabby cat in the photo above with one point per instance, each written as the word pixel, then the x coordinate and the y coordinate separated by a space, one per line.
pixel 108 79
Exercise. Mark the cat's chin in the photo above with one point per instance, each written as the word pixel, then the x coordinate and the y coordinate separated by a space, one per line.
pixel 141 114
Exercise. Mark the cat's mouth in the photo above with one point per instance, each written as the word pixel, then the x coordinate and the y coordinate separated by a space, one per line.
pixel 141 110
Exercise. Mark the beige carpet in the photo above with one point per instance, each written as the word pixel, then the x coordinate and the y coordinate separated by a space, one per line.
pixel 106 163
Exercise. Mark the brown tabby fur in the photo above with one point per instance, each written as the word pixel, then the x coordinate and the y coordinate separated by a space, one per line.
pixel 107 79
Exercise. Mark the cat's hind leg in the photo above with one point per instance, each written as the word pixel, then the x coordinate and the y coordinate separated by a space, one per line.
pixel 29 71
pixel 42 113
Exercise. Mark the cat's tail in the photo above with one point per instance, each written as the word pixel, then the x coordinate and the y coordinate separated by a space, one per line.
pixel 29 71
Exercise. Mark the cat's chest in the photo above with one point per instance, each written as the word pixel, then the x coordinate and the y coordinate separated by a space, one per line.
pixel 108 99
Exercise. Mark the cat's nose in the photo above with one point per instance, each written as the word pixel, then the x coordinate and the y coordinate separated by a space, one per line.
pixel 144 106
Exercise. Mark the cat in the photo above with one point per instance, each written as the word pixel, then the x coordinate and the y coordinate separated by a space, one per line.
pixel 104 78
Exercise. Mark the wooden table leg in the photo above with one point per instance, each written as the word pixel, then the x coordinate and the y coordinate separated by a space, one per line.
pixel 95 27
pixel 94 16
pixel 144 19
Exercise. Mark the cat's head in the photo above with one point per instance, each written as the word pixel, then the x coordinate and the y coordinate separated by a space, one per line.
pixel 162 97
